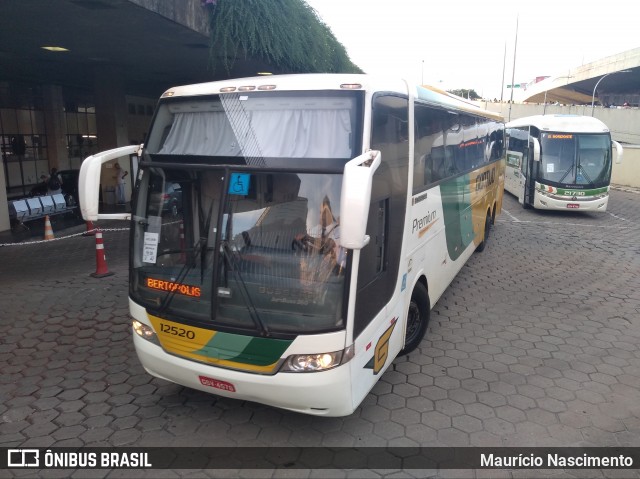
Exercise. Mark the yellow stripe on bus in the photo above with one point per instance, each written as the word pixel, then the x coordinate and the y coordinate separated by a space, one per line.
pixel 182 343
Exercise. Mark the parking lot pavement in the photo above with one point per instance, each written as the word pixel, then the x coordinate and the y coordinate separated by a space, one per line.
pixel 535 343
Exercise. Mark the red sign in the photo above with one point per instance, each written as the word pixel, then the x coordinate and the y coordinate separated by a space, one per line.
pixel 216 383
pixel 573 206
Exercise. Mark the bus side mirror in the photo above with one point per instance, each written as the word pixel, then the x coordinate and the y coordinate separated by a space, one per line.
pixel 619 151
pixel 356 198
pixel 536 149
pixel 89 183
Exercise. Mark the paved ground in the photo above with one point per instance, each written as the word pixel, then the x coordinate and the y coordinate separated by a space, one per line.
pixel 536 343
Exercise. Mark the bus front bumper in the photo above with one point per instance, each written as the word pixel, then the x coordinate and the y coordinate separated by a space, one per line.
pixel 547 202
pixel 326 393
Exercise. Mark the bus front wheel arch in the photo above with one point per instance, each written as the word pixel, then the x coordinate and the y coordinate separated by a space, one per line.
pixel 417 318
pixel 487 229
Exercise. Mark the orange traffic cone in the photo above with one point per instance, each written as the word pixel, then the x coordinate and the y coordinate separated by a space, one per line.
pixel 48 232
pixel 91 231
pixel 101 258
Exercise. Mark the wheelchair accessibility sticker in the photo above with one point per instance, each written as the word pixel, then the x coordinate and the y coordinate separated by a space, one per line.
pixel 239 184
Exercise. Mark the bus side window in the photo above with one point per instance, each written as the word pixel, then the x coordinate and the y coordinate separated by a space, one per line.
pixel 519 142
pixel 452 154
pixel 453 150
pixel 469 158
pixel 496 139
pixel 428 147
pixel 438 164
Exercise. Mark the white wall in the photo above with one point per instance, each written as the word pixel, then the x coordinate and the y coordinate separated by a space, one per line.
pixel 627 173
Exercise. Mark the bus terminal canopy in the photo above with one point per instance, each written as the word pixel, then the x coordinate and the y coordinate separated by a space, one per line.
pixel 561 95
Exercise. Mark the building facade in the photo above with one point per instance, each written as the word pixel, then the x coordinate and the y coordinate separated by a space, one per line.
pixel 82 76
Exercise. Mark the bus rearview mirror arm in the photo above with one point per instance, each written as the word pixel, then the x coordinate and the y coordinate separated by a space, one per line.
pixel 89 182
pixel 619 151
pixel 536 149
pixel 356 198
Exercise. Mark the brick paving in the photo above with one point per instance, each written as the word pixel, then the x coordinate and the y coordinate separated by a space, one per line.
pixel 535 343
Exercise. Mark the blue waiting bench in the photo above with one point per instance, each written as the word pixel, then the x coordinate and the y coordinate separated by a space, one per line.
pixel 28 209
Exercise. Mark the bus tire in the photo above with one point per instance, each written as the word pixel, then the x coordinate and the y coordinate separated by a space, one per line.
pixel 487 228
pixel 417 318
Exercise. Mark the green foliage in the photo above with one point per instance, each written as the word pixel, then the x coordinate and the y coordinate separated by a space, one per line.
pixel 464 93
pixel 285 33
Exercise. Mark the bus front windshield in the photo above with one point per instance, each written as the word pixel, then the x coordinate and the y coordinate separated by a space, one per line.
pixel 575 159
pixel 246 250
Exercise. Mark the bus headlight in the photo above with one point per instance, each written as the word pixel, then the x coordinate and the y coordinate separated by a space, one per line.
pixel 144 331
pixel 309 363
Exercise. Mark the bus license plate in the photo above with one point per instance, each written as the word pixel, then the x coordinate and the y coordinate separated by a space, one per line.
pixel 573 206
pixel 216 383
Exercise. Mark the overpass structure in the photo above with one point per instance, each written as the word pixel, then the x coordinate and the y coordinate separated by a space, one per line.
pixel 612 80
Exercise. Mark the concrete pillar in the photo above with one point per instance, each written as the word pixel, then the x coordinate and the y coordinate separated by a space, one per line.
pixel 5 224
pixel 111 122
pixel 111 107
pixel 56 126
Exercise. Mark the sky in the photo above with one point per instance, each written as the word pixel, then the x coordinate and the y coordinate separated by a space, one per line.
pixel 461 44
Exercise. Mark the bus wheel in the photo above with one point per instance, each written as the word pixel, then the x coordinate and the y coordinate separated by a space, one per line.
pixel 417 318
pixel 487 228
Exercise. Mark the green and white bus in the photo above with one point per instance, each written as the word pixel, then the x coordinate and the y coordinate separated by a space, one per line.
pixel 290 234
pixel 560 162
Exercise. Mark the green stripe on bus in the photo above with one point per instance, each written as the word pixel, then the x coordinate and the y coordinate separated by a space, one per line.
pixel 573 192
pixel 456 206
pixel 245 349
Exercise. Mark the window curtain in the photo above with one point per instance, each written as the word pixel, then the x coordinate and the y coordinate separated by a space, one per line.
pixel 262 133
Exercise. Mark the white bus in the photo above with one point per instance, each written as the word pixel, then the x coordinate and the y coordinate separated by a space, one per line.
pixel 560 162
pixel 290 234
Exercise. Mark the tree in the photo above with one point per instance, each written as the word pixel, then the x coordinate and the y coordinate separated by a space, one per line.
pixel 464 93
pixel 285 33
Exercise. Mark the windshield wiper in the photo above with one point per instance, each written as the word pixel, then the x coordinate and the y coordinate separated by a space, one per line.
pixel 565 174
pixel 200 249
pixel 244 290
pixel 585 174
pixel 168 298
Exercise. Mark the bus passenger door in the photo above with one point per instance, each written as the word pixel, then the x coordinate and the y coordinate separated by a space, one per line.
pixel 378 332
pixel 524 180
pixel 529 167
pixel 518 168
pixel 522 183
pixel 512 172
